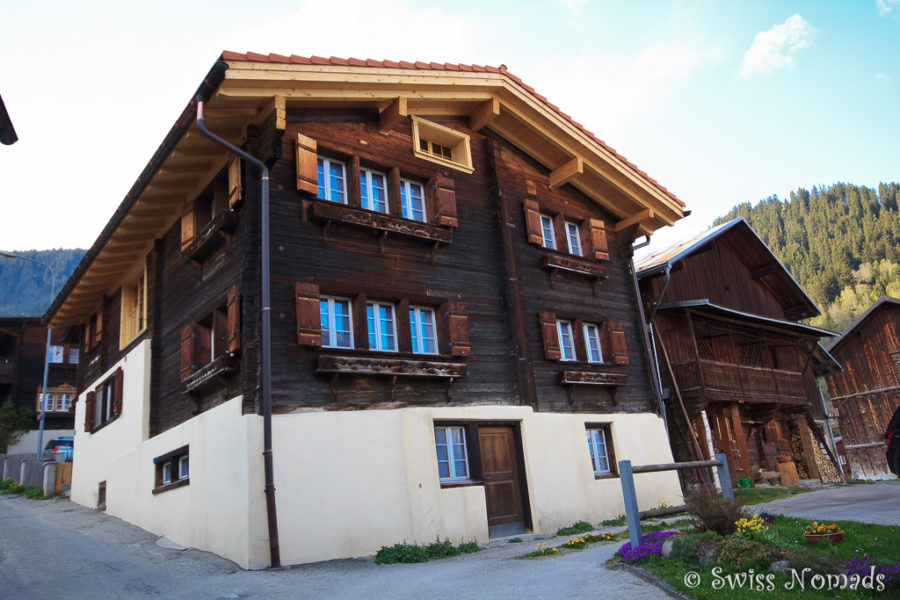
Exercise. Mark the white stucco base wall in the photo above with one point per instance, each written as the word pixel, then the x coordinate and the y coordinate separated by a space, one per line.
pixel 221 510
pixel 350 482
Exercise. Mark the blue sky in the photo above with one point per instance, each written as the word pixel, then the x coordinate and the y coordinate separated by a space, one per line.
pixel 721 102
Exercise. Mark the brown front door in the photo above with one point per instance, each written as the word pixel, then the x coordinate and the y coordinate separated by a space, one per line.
pixel 502 485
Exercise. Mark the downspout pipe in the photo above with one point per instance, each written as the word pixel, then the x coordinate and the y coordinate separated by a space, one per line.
pixel 274 551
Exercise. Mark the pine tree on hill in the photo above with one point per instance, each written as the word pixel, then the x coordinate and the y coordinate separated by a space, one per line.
pixel 25 287
pixel 840 243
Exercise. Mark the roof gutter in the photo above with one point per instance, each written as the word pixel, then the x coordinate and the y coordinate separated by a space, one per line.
pixel 274 551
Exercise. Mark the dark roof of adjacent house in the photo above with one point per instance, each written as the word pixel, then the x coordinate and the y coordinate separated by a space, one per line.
pixel 7 131
pixel 753 252
pixel 244 88
pixel 883 301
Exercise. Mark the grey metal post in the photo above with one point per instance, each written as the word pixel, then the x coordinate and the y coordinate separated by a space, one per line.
pixel 724 477
pixel 631 505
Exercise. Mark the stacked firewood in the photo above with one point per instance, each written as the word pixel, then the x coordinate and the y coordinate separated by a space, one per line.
pixel 799 454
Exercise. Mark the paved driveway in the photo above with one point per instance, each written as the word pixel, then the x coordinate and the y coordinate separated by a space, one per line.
pixel 878 502
pixel 56 549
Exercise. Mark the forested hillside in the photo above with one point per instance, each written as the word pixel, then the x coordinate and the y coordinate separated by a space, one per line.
pixel 25 286
pixel 841 243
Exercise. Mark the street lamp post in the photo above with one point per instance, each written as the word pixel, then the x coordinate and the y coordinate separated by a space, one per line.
pixel 40 442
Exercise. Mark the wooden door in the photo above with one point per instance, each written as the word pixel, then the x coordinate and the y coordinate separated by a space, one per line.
pixel 502 483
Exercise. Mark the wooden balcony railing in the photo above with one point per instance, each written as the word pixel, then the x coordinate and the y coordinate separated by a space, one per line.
pixel 720 381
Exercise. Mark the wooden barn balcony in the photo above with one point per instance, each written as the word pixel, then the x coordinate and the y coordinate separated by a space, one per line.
pixel 715 381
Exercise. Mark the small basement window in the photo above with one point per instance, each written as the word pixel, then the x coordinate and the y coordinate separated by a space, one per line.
pixel 442 145
pixel 172 470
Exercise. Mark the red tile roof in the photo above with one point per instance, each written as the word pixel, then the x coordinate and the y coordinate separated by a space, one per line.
pixel 388 64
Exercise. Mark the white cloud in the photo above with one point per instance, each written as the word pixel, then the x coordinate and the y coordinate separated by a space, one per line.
pixel 882 77
pixel 607 92
pixel 886 7
pixel 774 49
pixel 573 10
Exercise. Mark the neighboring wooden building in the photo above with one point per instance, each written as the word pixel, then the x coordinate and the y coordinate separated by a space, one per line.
pixel 23 342
pixel 867 392
pixel 738 368
pixel 458 350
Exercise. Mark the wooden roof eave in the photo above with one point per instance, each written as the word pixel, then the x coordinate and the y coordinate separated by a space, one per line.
pixel 428 91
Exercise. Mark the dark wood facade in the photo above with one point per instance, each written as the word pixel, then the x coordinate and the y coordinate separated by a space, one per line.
pixel 867 392
pixel 724 320
pixel 23 342
pixel 192 222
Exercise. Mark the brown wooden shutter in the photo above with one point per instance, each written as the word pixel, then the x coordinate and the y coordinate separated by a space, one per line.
pixel 309 326
pixel 90 407
pixel 98 329
pixel 617 342
pixel 188 227
pixel 233 302
pixel 445 201
pixel 550 335
pixel 533 222
pixel 458 330
pixel 598 239
pixel 119 387
pixel 234 182
pixel 307 170
pixel 188 350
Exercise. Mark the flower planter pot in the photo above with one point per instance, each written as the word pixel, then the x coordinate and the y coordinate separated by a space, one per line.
pixel 814 538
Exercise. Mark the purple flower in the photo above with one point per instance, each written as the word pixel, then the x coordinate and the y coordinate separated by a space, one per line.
pixel 651 543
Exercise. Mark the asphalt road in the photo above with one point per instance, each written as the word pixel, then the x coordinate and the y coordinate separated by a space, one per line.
pixel 877 502
pixel 57 549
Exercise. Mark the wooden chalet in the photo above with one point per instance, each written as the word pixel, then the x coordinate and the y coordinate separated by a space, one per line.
pixel 738 369
pixel 457 344
pixel 23 342
pixel 867 392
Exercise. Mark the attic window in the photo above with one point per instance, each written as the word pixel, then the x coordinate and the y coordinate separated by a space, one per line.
pixel 441 145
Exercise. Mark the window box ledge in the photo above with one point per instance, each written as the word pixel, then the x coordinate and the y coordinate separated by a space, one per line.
pixel 327 211
pixel 390 366
pixel 211 373
pixel 172 486
pixel 559 263
pixel 213 236
pixel 593 378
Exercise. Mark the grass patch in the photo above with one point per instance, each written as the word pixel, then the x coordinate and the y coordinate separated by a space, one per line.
pixel 617 522
pixel 735 555
pixel 664 525
pixel 752 496
pixel 413 553
pixel 575 528
pixel 577 543
pixel 515 540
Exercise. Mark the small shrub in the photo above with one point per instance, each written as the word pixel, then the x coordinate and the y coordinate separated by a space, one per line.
pixel 439 549
pixel 715 513
pixel 33 492
pixel 687 546
pixel 470 547
pixel 401 553
pixel 744 553
pixel 576 528
pixel 515 540
pixel 617 522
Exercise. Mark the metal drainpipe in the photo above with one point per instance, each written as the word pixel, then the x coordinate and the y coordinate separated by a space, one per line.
pixel 274 552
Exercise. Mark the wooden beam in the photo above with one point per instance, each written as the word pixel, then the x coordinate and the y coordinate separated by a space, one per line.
pixel 634 219
pixel 565 173
pixel 484 113
pixel 763 271
pixel 393 114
